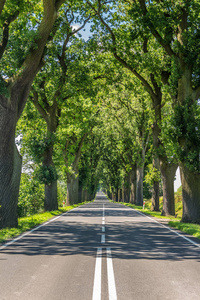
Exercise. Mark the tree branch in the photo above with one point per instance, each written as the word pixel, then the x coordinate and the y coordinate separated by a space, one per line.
pixel 78 152
pixel 155 33
pixel 40 109
pixel 32 61
pixel 6 32
pixel 2 2
pixel 121 60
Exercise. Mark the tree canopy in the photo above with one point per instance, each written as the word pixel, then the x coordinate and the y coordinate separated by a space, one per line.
pixel 117 111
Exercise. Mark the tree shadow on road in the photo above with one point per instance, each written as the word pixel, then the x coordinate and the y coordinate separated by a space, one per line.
pixel 129 240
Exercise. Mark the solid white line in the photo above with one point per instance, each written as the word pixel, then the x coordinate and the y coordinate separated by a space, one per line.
pixel 103 229
pixel 103 238
pixel 111 279
pixel 173 231
pixel 97 276
pixel 32 230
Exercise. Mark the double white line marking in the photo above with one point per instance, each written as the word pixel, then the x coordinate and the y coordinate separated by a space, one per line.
pixel 98 270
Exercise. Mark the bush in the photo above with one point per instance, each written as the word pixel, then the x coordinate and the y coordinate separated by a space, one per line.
pixel 31 196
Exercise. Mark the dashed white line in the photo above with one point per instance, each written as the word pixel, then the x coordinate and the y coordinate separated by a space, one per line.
pixel 103 238
pixel 103 228
pixel 97 276
pixel 111 279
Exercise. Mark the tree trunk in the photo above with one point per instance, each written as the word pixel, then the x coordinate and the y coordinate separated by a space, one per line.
pixel 139 193
pixel 10 169
pixel 113 197
pixel 133 182
pixel 116 196
pixel 168 172
pixel 50 202
pixel 127 188
pixel 190 180
pixel 72 189
pixel 84 195
pixel 120 195
pixel 10 173
pixel 80 194
pixel 10 111
pixel 191 195
pixel 155 192
pixel 109 194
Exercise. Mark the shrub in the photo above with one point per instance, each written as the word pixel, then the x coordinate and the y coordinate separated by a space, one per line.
pixel 31 196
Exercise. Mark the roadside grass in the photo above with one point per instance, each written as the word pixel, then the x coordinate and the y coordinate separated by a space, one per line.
pixel 147 210
pixel 189 228
pixel 27 223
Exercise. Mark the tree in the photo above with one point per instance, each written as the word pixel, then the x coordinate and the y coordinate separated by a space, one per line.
pixel 175 26
pixel 15 87
pixel 133 46
pixel 49 93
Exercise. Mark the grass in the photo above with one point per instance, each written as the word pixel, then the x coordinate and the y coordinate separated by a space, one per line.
pixel 147 210
pixel 192 229
pixel 30 222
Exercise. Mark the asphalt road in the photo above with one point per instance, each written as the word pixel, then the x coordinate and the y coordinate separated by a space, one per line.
pixel 100 251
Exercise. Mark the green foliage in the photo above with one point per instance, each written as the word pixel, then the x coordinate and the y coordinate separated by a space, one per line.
pixel 61 192
pixel 192 229
pixel 39 144
pixel 152 176
pixel 187 123
pixel 147 190
pixel 46 174
pixel 31 195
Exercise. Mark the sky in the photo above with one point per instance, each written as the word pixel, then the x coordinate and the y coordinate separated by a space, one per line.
pixel 177 182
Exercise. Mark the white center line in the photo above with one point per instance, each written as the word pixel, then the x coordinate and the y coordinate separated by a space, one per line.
pixel 97 276
pixel 111 279
pixel 103 238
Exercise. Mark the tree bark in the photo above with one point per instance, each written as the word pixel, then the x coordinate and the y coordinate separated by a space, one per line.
pixel 127 188
pixel 133 182
pixel 139 193
pixel 116 195
pixel 155 192
pixel 50 201
pixel 10 173
pixel 156 145
pixel 191 195
pixel 120 195
pixel 168 172
pixel 72 189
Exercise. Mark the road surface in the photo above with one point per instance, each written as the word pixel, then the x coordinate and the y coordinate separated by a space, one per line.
pixel 100 251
